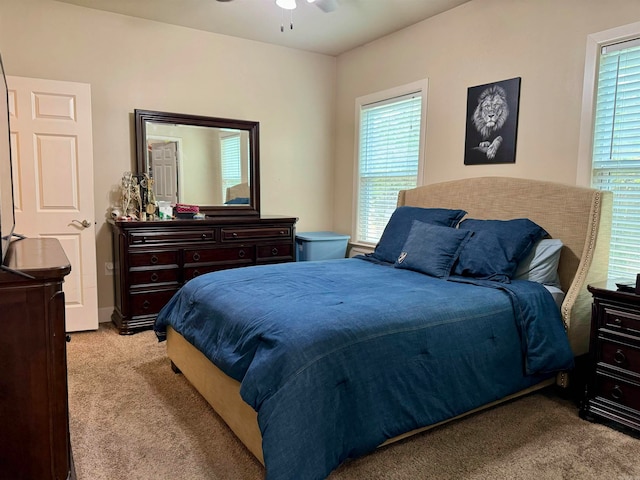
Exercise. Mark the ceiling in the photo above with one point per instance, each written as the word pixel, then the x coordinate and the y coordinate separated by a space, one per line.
pixel 351 23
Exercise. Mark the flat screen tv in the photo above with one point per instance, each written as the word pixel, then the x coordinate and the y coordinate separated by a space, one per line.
pixel 7 215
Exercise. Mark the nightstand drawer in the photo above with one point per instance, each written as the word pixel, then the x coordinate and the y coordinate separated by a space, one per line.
pixel 619 391
pixel 620 356
pixel 621 319
pixel 153 259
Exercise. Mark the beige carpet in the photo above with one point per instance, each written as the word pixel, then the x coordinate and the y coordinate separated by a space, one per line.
pixel 133 418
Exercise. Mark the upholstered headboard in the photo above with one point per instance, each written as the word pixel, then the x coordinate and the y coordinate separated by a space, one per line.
pixel 580 217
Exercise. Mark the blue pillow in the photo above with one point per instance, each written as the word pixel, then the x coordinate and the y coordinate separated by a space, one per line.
pixel 399 225
pixel 496 247
pixel 432 249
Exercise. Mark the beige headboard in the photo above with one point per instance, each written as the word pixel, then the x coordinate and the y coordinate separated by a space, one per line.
pixel 580 217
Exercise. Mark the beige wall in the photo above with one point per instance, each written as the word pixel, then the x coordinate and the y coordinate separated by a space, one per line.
pixel 132 63
pixel 541 41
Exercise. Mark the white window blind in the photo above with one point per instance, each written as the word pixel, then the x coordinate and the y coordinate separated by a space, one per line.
pixel 231 169
pixel 389 153
pixel 616 151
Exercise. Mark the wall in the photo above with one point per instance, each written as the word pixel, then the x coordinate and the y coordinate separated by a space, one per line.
pixel 133 63
pixel 482 41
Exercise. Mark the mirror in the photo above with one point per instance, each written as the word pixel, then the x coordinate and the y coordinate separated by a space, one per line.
pixel 196 160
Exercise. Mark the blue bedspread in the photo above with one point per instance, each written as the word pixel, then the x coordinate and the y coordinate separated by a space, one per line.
pixel 337 356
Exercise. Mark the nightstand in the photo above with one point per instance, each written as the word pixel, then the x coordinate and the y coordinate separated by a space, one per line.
pixel 612 394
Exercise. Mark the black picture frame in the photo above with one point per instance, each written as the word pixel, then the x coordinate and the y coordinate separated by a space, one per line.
pixel 492 122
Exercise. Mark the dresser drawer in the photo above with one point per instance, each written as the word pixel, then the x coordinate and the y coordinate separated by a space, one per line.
pixel 153 276
pixel 226 254
pixel 170 236
pixel 621 319
pixel 624 392
pixel 192 272
pixel 153 259
pixel 281 251
pixel 150 303
pixel 230 234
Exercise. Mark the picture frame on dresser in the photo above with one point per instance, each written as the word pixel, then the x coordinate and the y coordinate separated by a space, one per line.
pixel 612 393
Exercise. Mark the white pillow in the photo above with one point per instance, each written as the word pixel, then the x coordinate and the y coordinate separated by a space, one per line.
pixel 541 265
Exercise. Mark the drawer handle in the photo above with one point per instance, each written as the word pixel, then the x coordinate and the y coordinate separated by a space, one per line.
pixel 241 254
pixel 616 393
pixel 274 251
pixel 282 232
pixel 146 305
pixel 617 321
pixel 204 236
pixel 154 259
pixel 154 277
pixel 196 257
pixel 234 235
pixel 619 357
pixel 196 273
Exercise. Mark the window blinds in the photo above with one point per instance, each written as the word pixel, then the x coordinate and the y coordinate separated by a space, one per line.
pixel 389 150
pixel 231 171
pixel 616 151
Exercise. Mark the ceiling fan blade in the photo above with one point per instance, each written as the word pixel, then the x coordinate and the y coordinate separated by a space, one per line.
pixel 326 5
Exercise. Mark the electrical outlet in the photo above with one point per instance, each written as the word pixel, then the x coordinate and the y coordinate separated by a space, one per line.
pixel 108 268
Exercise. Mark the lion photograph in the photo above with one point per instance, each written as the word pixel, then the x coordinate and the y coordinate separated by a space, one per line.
pixel 492 112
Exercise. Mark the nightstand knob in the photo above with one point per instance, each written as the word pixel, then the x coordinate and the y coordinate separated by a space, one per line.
pixel 154 277
pixel 196 257
pixel 154 259
pixel 617 321
pixel 616 393
pixel 274 251
pixel 241 254
pixel 619 357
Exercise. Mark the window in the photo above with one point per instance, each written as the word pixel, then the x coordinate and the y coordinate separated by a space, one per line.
pixel 231 165
pixel 616 150
pixel 390 149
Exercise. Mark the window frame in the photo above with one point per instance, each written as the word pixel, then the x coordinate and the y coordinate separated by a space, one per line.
pixel 421 87
pixel 595 43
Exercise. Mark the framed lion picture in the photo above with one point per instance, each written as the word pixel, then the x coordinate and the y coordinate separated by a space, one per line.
pixel 492 122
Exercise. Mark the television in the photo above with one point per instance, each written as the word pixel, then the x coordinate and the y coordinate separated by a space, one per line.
pixel 7 214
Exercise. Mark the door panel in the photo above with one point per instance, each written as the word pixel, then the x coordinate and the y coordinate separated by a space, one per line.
pixel 53 174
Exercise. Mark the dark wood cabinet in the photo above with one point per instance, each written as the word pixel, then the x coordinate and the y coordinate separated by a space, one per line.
pixel 152 260
pixel 613 388
pixel 34 437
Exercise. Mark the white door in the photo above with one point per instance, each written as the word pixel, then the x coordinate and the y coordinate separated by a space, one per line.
pixel 52 153
pixel 164 162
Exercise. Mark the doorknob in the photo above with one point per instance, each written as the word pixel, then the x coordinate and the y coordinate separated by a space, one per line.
pixel 84 223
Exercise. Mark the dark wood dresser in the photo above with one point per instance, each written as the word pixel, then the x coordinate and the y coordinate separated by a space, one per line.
pixel 613 388
pixel 152 260
pixel 34 437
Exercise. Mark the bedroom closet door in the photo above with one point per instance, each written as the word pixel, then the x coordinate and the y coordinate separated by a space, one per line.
pixel 52 154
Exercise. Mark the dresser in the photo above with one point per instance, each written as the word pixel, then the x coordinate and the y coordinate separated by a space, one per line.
pixel 612 394
pixel 34 437
pixel 153 259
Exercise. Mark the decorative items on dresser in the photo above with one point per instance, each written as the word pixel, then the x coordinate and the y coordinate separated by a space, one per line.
pixel 612 394
pixel 153 259
pixel 34 438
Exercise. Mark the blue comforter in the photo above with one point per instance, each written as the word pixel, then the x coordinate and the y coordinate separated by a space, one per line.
pixel 337 356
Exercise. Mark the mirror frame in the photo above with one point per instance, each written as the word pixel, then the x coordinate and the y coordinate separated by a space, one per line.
pixel 143 116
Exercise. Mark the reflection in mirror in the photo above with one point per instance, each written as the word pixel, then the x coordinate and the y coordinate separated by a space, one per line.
pixel 204 161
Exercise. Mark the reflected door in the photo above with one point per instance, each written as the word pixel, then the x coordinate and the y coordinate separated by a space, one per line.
pixel 164 165
pixel 52 154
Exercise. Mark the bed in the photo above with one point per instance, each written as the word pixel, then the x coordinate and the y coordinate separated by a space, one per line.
pixel 306 376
